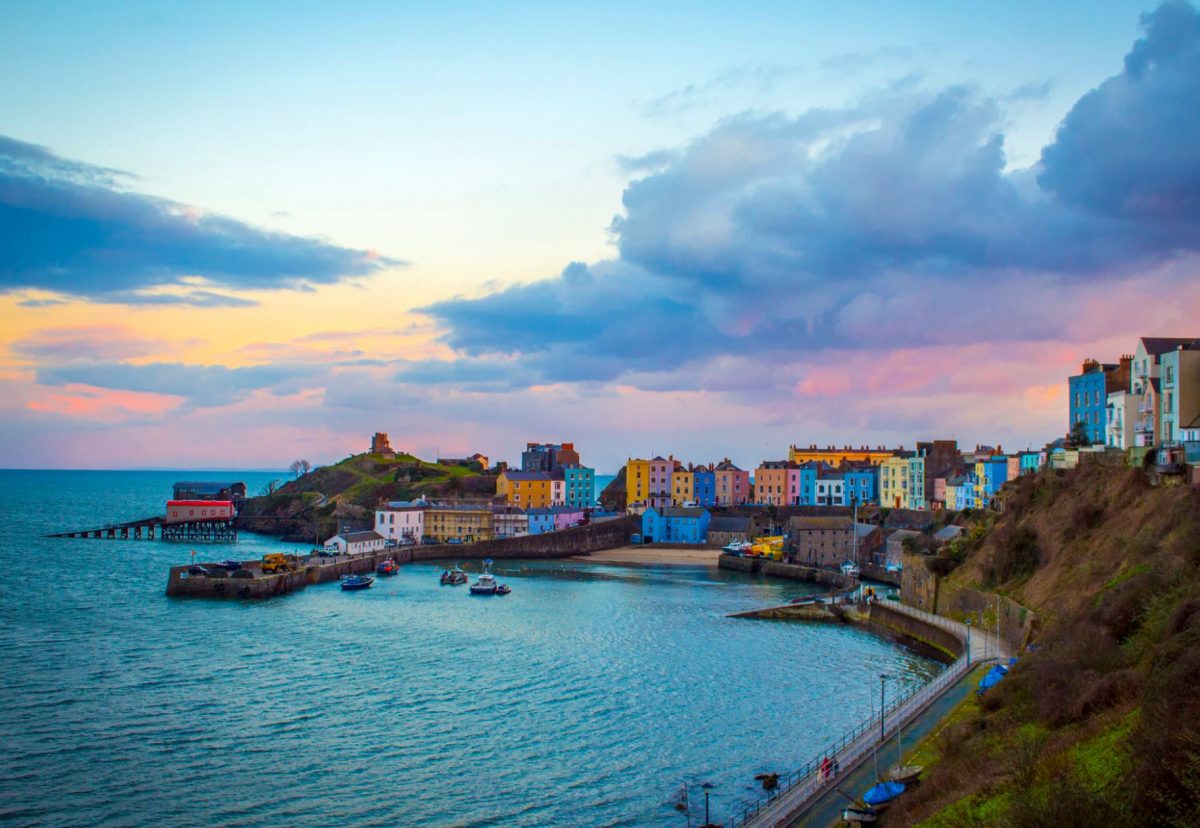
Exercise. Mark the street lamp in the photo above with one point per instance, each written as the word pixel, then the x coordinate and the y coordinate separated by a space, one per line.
pixel 707 786
pixel 882 679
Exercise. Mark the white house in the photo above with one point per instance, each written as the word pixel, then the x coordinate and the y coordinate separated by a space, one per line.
pixel 356 543
pixel 1121 414
pixel 831 490
pixel 401 521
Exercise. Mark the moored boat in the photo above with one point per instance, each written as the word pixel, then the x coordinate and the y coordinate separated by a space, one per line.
pixel 387 567
pixel 453 577
pixel 352 582
pixel 906 774
pixel 485 584
pixel 882 794
pixel 857 816
pixel 503 589
pixel 850 569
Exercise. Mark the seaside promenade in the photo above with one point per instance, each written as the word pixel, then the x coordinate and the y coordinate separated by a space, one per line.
pixel 801 789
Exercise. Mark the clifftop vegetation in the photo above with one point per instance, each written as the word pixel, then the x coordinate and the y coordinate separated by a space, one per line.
pixel 320 502
pixel 1100 725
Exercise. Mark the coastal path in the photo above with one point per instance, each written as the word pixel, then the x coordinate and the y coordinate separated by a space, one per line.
pixel 798 790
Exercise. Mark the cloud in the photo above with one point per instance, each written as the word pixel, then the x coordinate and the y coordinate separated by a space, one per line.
pixel 73 228
pixel 86 342
pixel 40 303
pixel 893 222
pixel 200 385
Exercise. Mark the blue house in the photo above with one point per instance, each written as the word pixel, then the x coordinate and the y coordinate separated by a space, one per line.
pixel 991 475
pixel 862 485
pixel 1031 461
pixel 1088 397
pixel 579 483
pixel 809 472
pixel 541 520
pixel 675 525
pixel 704 487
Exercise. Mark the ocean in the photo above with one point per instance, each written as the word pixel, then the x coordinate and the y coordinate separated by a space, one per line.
pixel 586 697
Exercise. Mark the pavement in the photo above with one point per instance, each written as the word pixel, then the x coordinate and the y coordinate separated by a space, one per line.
pixel 827 809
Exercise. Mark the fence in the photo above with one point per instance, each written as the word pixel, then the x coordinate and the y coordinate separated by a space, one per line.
pixel 800 787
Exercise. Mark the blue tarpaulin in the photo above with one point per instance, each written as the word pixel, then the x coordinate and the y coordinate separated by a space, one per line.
pixel 883 792
pixel 993 677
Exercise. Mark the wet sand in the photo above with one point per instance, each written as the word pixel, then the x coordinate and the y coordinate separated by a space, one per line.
pixel 700 556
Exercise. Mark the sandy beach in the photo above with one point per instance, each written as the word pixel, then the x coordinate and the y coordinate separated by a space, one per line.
pixel 700 556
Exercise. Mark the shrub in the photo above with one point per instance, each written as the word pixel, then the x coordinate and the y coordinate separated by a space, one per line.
pixel 1014 553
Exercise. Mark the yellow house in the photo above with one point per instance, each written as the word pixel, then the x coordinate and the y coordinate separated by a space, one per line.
pixel 637 481
pixel 467 521
pixel 682 487
pixel 529 490
pixel 893 483
pixel 839 456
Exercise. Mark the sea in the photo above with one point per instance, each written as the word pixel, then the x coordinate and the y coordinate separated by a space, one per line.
pixel 591 696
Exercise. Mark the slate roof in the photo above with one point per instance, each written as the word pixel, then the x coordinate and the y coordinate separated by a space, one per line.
pixel 361 537
pixel 1158 345
pixel 729 523
pixel 808 524
pixel 682 512
pixel 948 533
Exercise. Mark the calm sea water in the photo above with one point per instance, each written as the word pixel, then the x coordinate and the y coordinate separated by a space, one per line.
pixel 584 698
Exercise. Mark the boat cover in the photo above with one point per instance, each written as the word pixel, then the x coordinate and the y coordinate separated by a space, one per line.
pixel 883 792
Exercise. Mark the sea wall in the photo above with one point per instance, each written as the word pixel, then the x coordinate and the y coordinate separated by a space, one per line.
pixel 922 589
pixel 594 537
pixel 914 631
pixel 793 572
pixel 181 584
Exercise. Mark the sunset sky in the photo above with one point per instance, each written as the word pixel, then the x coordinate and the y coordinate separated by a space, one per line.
pixel 235 234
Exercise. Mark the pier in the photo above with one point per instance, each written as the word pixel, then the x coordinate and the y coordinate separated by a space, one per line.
pixel 191 531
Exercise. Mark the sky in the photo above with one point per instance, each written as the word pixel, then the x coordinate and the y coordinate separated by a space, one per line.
pixel 232 234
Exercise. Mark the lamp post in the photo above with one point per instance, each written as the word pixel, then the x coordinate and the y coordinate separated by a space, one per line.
pixel 968 642
pixel 882 679
pixel 707 786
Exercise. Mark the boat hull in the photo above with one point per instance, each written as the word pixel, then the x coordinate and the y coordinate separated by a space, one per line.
pixel 357 584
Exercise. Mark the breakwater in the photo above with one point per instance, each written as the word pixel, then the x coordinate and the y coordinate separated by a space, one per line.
pixel 793 572
pixel 182 583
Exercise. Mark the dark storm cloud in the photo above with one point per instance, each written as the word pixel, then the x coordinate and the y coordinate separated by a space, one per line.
pixel 70 227
pixel 780 237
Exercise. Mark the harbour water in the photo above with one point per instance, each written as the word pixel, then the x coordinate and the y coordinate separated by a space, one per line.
pixel 586 697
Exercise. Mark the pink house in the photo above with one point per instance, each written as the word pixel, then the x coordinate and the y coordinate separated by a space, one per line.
pixel 939 491
pixel 733 484
pixel 565 516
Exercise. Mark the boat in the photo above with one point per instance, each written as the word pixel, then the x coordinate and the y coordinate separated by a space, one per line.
pixel 453 577
pixel 485 584
pixel 856 816
pixel 352 582
pixel 882 793
pixel 503 589
pixel 387 567
pixel 850 569
pixel 737 547
pixel 906 774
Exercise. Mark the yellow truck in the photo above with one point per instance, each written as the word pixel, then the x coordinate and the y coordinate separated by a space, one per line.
pixel 274 562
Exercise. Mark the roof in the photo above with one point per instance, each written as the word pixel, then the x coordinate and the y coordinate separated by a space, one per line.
pixel 360 537
pixel 556 510
pixel 682 512
pixel 803 523
pixel 864 529
pixel 948 533
pixel 729 523
pixel 901 534
pixel 403 505
pixel 908 519
pixel 524 475
pixel 1157 345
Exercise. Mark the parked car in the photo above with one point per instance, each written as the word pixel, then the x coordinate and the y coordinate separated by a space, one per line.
pixel 454 540
pixel 197 569
pixel 327 553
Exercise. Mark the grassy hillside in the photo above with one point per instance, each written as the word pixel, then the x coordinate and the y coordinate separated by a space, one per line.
pixel 1101 725
pixel 319 503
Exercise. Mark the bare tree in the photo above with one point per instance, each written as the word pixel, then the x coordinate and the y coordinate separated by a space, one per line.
pixel 271 486
pixel 305 466
pixel 299 467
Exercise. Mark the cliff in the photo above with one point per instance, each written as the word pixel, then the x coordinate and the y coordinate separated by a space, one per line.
pixel 318 504
pixel 1100 723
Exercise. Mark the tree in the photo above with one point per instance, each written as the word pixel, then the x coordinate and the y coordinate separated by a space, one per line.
pixel 271 486
pixel 1078 438
pixel 299 467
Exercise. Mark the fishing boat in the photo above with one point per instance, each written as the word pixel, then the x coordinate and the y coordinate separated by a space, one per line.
pixel 453 577
pixel 352 582
pixel 387 568
pixel 503 589
pixel 857 816
pixel 485 584
pixel 737 547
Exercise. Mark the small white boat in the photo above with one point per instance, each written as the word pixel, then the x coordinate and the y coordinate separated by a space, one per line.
pixel 858 816
pixel 737 547
pixel 906 773
pixel 485 584
pixel 850 569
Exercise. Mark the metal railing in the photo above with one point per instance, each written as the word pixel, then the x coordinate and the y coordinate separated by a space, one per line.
pixel 802 786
